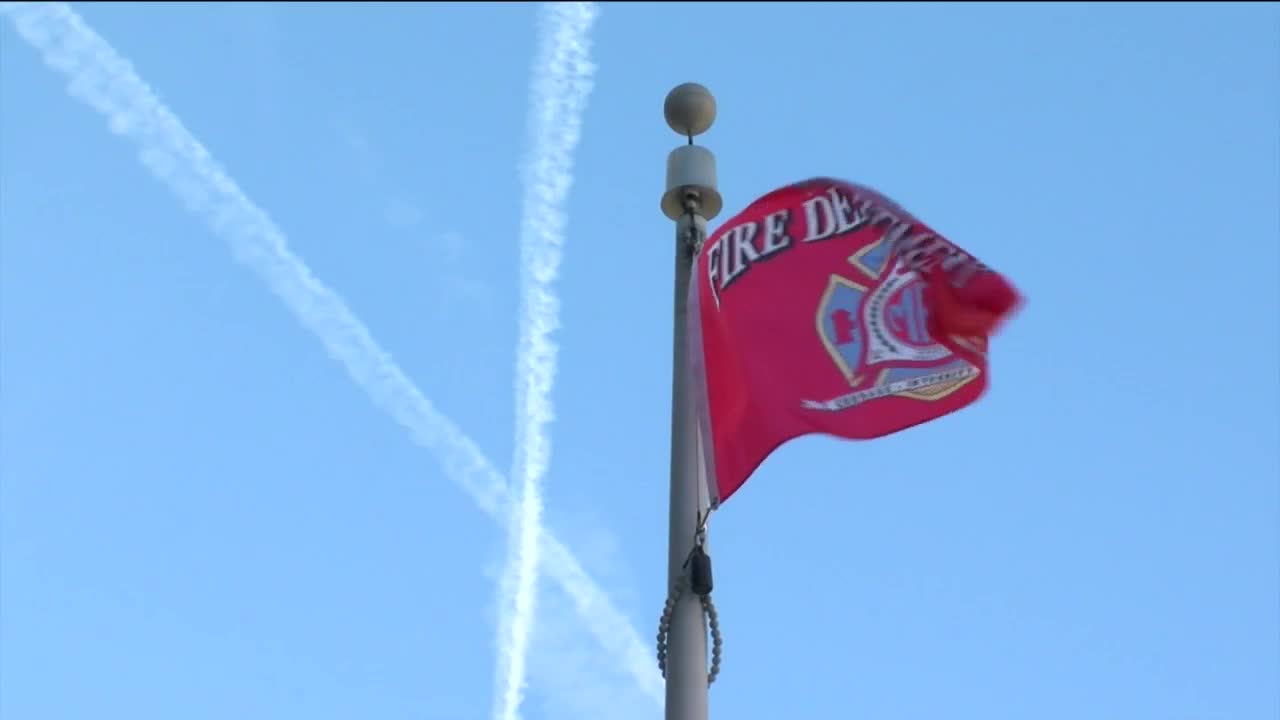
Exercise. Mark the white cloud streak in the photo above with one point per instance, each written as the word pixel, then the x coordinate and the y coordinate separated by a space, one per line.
pixel 98 76
pixel 561 85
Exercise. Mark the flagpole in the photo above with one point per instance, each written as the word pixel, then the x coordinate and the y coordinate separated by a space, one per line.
pixel 690 200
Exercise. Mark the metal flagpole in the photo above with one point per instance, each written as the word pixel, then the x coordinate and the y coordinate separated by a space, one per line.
pixel 690 200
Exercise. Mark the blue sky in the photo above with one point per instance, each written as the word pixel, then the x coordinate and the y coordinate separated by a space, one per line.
pixel 201 516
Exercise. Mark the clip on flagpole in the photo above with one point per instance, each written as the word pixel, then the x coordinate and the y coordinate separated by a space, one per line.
pixel 691 199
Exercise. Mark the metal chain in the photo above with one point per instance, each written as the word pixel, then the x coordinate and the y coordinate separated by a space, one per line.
pixel 713 621
pixel 693 245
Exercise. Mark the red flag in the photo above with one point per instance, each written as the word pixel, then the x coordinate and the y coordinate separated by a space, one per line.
pixel 825 307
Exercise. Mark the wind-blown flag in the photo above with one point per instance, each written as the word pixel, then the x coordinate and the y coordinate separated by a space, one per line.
pixel 826 308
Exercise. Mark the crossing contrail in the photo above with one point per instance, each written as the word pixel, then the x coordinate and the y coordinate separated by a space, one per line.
pixel 561 85
pixel 98 76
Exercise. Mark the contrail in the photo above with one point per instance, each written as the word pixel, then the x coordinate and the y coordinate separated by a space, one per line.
pixel 99 77
pixel 561 85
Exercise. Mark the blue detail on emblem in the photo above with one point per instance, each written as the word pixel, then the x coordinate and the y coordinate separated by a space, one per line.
pixel 875 257
pixel 907 317
pixel 842 326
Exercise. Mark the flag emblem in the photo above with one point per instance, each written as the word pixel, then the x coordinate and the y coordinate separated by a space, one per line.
pixel 874 323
